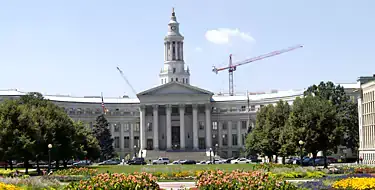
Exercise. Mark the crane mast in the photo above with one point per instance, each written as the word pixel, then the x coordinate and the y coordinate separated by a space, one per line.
pixel 233 66
pixel 126 80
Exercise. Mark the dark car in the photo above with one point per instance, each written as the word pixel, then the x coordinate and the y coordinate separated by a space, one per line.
pixel 110 162
pixel 137 161
pixel 188 162
pixel 82 163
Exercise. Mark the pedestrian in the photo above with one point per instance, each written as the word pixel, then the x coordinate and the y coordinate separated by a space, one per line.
pixel 361 160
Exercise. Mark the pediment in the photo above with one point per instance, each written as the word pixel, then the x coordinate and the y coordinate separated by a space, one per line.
pixel 175 88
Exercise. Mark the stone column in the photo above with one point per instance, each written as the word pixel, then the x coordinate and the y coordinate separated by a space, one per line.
pixel 168 111
pixel 112 127
pixel 156 126
pixel 182 50
pixel 220 133
pixel 121 137
pixel 195 126
pixel 208 126
pixel 230 134
pixel 239 134
pixel 176 50
pixel 182 126
pixel 131 138
pixel 142 127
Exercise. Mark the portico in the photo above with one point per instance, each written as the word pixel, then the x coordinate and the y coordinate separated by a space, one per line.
pixel 170 114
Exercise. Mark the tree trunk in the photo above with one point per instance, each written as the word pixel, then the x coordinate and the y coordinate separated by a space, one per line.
pixel 38 167
pixel 314 157
pixel 57 164
pixel 325 159
pixel 276 158
pixel 11 164
pixel 283 160
pixel 26 165
pixel 65 163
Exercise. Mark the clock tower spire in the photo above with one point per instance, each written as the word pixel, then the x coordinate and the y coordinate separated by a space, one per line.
pixel 174 65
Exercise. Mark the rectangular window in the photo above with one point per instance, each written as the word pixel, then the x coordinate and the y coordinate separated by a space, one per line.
pixel 174 70
pixel 234 139
pixel 243 125
pixel 126 127
pixel 225 125
pixel 234 126
pixel 171 79
pixel 201 125
pixel 126 142
pixel 117 142
pixel 136 127
pixel 149 126
pixel 252 108
pixel 201 143
pixel 136 141
pixel 214 125
pixel 225 140
pixel 117 127
pixel 243 139
pixel 243 108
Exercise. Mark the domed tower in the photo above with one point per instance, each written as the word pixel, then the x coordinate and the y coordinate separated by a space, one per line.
pixel 174 65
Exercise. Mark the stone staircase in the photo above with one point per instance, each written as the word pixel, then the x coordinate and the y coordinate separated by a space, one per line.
pixel 197 155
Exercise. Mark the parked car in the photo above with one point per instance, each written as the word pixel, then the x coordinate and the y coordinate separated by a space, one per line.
pixel 110 162
pixel 186 162
pixel 137 161
pixel 161 161
pixel 241 161
pixel 82 163
pixel 216 161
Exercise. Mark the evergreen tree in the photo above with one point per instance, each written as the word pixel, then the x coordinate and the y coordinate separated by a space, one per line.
pixel 103 134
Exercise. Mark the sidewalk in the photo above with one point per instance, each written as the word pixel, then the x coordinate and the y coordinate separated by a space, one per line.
pixel 176 185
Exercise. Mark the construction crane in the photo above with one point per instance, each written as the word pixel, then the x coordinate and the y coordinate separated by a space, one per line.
pixel 126 80
pixel 232 66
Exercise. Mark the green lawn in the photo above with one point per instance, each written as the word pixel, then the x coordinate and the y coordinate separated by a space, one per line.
pixel 171 168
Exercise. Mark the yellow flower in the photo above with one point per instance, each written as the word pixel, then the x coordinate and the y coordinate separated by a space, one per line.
pixel 355 183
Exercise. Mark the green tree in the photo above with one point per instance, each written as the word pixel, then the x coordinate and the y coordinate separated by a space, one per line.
pixel 347 111
pixel 104 137
pixel 314 121
pixel 87 145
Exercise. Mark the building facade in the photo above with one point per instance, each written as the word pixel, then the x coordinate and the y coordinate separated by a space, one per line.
pixel 366 116
pixel 175 116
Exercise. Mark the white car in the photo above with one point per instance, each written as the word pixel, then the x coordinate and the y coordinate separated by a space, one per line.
pixel 216 161
pixel 241 161
pixel 161 161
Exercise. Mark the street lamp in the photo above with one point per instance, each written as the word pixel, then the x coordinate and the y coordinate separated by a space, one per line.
pixel 211 155
pixel 300 142
pixel 49 157
pixel 215 151
pixel 135 151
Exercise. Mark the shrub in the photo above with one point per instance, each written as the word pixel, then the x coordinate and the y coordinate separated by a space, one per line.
pixel 4 186
pixel 116 181
pixel 355 184
pixel 364 170
pixel 241 180
pixel 6 173
pixel 77 171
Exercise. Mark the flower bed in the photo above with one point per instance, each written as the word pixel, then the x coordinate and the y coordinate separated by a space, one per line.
pixel 6 173
pixel 4 186
pixel 31 183
pixel 355 184
pixel 327 182
pixel 76 171
pixel 116 181
pixel 241 180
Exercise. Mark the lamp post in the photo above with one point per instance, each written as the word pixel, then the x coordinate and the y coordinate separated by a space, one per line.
pixel 49 157
pixel 300 142
pixel 135 151
pixel 211 155
pixel 215 151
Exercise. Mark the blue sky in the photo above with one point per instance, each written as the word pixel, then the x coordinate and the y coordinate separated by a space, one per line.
pixel 73 47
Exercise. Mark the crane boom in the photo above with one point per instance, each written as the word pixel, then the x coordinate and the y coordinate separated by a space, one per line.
pixel 233 66
pixel 126 80
pixel 246 61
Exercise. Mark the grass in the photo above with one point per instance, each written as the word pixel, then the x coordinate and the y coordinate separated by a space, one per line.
pixel 168 169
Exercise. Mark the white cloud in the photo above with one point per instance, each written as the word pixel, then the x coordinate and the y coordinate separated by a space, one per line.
pixel 225 35
pixel 198 49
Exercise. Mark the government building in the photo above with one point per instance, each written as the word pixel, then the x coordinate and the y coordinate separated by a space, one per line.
pixel 178 119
